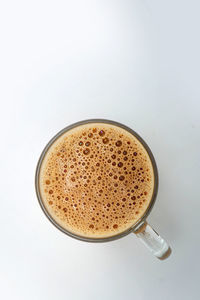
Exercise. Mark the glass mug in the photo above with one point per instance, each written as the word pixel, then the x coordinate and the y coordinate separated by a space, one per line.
pixel 152 240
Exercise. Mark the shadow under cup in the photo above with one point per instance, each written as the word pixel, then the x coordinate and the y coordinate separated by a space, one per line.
pixel 140 222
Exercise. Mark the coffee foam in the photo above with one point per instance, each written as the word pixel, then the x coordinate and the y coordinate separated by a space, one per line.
pixel 96 180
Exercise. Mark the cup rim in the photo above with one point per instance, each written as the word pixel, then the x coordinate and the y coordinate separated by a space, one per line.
pixel 139 222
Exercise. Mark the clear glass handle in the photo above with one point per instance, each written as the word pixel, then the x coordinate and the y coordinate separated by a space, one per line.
pixel 153 241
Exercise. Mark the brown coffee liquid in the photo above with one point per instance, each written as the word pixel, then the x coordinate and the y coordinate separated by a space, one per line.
pixel 96 180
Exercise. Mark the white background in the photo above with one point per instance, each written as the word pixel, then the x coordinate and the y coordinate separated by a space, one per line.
pixel 136 62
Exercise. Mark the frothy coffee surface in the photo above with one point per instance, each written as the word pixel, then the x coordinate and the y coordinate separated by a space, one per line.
pixel 96 180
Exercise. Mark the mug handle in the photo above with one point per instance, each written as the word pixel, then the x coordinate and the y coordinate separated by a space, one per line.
pixel 153 241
